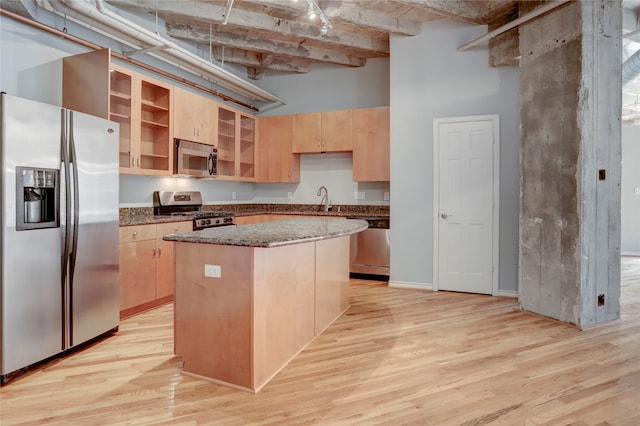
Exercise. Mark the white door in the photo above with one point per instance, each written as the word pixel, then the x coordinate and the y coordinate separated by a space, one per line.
pixel 466 204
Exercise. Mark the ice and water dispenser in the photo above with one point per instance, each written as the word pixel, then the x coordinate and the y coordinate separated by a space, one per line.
pixel 37 193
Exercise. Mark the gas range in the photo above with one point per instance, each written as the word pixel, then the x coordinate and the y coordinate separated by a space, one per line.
pixel 189 203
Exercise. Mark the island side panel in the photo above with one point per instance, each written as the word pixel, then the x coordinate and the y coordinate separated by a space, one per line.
pixel 284 279
pixel 213 315
pixel 332 280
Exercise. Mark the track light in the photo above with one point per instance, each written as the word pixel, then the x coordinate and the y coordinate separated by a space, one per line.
pixel 324 29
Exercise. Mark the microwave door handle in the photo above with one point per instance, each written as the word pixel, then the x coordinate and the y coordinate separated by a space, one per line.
pixel 210 164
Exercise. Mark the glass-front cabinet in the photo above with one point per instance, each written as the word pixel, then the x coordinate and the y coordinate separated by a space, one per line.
pixel 236 144
pixel 155 138
pixel 247 147
pixel 226 142
pixel 120 111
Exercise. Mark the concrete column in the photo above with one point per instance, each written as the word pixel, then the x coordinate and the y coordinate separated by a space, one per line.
pixel 570 87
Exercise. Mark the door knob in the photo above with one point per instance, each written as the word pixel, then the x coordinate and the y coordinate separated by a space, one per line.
pixel 445 216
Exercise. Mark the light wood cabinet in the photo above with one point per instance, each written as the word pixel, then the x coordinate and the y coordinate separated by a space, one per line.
pixel 261 218
pixel 277 162
pixel 142 105
pixel 328 131
pixel 371 144
pixel 147 266
pixel 194 117
pixel 236 144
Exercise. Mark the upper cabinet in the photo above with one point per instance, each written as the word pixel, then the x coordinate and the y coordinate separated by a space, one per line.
pixel 236 144
pixel 277 162
pixel 370 137
pixel 192 117
pixel 142 105
pixel 328 131
pixel 155 149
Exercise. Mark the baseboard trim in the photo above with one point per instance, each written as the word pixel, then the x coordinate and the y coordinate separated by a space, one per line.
pixel 630 253
pixel 508 293
pixel 410 285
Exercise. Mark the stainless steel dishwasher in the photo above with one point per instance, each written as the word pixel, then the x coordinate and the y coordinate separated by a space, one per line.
pixel 370 249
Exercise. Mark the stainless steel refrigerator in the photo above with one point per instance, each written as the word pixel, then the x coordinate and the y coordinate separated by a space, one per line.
pixel 60 184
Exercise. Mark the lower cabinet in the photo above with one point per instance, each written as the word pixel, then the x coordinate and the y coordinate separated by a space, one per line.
pixel 147 266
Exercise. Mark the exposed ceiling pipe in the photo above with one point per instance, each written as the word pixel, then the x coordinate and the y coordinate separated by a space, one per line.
pixel 74 39
pixel 224 77
pixel 506 27
pixel 631 69
pixel 97 13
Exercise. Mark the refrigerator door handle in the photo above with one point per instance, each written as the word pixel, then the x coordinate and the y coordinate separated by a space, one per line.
pixel 76 218
pixel 64 155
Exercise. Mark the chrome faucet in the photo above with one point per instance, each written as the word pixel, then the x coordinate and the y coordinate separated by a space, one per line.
pixel 325 199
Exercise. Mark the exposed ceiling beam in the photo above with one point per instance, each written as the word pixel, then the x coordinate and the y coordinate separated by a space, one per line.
pixel 476 12
pixel 282 48
pixel 254 21
pixel 546 7
pixel 259 61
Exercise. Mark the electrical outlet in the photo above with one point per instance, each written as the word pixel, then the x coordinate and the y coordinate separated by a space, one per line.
pixel 636 191
pixel 386 196
pixel 212 271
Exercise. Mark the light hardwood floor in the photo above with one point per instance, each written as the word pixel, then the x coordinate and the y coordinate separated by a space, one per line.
pixel 397 357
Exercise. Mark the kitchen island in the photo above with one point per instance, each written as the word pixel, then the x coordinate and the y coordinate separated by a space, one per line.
pixel 249 298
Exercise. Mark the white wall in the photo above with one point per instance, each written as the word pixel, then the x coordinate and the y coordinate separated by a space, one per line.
pixel 328 88
pixel 430 79
pixel 630 243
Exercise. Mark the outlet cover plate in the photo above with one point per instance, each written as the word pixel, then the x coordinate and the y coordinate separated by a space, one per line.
pixel 212 271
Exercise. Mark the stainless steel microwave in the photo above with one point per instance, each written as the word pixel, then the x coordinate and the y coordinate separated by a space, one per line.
pixel 193 159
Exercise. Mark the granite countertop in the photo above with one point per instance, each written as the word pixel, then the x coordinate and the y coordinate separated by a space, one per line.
pixel 273 234
pixel 144 215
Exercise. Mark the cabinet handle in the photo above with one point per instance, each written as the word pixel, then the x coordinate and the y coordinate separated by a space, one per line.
pixel 133 162
pixel 175 229
pixel 135 233
pixel 138 161
pixel 159 252
pixel 154 252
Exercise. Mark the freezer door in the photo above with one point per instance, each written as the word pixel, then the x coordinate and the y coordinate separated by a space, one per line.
pixel 94 285
pixel 31 259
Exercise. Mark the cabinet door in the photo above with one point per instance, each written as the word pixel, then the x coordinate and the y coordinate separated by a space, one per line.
pixel 165 261
pixel 156 136
pixel 137 273
pixel 307 132
pixel 246 146
pixel 277 163
pixel 371 144
pixel 245 220
pixel 191 116
pixel 336 131
pixel 226 142
pixel 121 110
